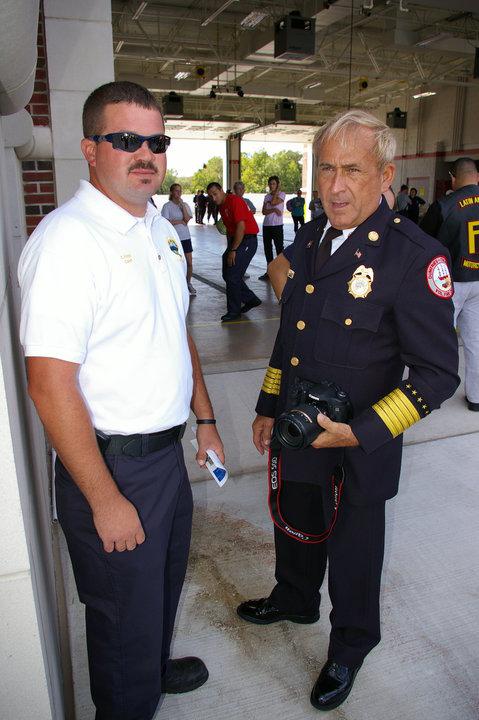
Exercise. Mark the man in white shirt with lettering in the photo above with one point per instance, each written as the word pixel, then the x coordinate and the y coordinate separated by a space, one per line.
pixel 112 372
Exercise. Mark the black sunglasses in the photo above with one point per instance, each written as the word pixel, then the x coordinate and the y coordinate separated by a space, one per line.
pixel 131 142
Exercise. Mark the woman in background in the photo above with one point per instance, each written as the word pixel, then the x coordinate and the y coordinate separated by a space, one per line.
pixel 179 215
pixel 416 202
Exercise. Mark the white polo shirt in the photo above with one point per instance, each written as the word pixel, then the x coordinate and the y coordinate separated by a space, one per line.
pixel 107 290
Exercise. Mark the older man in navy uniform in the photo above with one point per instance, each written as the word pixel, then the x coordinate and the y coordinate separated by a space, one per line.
pixel 367 293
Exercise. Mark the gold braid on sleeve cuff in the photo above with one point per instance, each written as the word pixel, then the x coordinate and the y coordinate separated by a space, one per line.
pixel 272 381
pixel 401 408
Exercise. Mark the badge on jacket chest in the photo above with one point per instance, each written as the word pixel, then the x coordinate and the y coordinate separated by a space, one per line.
pixel 360 284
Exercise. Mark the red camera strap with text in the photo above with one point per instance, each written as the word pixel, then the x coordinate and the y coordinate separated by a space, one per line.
pixel 274 494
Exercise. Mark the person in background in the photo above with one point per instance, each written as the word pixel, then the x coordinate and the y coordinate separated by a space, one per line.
pixel 296 208
pixel 195 203
pixel 242 234
pixel 316 206
pixel 273 208
pixel 403 201
pixel 416 202
pixel 454 221
pixel 179 215
pixel 113 372
pixel 212 209
pixel 201 202
pixel 238 189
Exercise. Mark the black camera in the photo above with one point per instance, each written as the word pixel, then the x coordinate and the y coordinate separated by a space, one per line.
pixel 295 429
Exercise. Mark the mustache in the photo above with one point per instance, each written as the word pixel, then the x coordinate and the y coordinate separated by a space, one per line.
pixel 143 165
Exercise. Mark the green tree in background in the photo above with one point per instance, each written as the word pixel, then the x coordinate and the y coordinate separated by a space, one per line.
pixel 255 171
pixel 170 178
pixel 256 168
pixel 212 171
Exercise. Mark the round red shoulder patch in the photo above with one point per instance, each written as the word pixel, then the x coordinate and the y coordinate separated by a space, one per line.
pixel 438 278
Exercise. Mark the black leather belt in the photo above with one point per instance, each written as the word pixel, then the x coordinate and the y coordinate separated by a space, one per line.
pixel 139 445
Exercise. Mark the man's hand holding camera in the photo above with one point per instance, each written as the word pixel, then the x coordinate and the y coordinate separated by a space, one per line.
pixel 316 418
pixel 335 434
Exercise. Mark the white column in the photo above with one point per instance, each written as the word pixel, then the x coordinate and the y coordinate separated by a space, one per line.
pixel 79 59
pixel 30 685
pixel 233 161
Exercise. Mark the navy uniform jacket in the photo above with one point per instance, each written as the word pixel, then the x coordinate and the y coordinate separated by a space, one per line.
pixel 361 333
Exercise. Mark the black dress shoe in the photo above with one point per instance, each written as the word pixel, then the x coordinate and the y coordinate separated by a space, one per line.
pixel 472 406
pixel 332 686
pixel 263 612
pixel 250 305
pixel 183 675
pixel 230 317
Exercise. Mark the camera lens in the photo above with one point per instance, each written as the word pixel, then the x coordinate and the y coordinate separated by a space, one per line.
pixel 298 428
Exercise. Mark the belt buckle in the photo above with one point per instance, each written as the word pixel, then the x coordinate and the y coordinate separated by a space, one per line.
pixel 133 448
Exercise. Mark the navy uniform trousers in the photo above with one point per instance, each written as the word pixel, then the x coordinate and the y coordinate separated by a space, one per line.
pixel 354 553
pixel 130 597
pixel 237 291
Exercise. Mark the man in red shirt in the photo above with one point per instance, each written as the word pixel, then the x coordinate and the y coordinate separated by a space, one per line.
pixel 241 230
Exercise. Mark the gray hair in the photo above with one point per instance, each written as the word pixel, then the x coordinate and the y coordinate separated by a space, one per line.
pixel 385 142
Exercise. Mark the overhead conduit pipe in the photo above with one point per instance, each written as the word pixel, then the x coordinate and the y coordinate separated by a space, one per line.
pixel 18 58
pixel 18 62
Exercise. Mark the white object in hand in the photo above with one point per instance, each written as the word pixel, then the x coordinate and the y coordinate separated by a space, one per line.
pixel 214 465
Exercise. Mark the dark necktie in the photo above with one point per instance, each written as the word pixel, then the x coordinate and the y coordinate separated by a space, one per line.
pixel 324 250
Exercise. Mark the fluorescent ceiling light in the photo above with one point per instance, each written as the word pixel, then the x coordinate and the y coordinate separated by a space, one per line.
pixel 139 10
pixel 426 93
pixel 432 39
pixel 119 45
pixel 316 84
pixel 253 19
pixel 217 12
pixel 181 75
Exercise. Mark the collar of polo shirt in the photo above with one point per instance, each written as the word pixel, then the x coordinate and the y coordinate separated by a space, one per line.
pixel 108 212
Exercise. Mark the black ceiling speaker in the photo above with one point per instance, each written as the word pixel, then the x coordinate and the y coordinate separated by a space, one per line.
pixel 173 105
pixel 294 37
pixel 396 119
pixel 285 111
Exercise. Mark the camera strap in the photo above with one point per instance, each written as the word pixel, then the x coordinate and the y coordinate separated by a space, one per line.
pixel 274 495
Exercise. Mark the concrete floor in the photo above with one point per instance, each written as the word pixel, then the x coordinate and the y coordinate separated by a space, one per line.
pixel 427 665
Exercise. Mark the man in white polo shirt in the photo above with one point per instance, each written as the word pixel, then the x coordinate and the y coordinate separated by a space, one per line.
pixel 112 372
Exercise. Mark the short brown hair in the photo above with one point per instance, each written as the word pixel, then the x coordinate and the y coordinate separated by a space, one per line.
pixel 113 93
